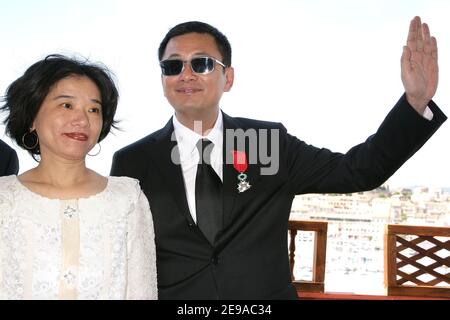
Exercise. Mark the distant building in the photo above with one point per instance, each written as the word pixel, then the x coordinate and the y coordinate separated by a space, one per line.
pixel 356 225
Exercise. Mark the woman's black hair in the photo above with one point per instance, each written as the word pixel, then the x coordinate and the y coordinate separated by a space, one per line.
pixel 25 95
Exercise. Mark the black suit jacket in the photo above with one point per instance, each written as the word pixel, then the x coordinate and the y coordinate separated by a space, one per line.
pixel 249 259
pixel 9 163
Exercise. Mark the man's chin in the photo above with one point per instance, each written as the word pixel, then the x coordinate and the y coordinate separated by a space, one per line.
pixel 194 109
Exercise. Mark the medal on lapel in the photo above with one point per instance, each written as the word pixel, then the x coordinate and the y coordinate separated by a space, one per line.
pixel 240 164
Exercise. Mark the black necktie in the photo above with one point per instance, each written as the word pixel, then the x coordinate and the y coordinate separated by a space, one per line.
pixel 208 193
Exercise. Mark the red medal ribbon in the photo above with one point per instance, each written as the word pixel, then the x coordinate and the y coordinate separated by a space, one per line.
pixel 240 161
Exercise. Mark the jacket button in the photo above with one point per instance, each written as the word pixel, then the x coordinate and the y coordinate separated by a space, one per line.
pixel 215 260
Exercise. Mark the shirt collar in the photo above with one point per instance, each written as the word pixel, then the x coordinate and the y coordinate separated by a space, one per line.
pixel 187 138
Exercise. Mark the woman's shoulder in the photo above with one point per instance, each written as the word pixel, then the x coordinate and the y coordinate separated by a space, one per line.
pixel 124 185
pixel 122 191
pixel 8 186
pixel 8 178
pixel 7 183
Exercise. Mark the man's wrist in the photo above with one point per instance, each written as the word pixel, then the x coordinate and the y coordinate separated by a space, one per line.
pixel 419 105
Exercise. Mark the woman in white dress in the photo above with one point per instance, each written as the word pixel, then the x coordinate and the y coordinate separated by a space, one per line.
pixel 66 232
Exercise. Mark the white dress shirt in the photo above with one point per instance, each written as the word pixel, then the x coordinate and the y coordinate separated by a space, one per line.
pixel 428 114
pixel 189 157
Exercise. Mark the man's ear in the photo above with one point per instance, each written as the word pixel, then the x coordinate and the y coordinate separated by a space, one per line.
pixel 229 76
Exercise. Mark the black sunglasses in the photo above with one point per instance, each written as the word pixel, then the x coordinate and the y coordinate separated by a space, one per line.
pixel 199 65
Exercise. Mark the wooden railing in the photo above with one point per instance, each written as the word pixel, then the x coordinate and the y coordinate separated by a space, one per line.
pixel 407 247
pixel 404 246
pixel 320 248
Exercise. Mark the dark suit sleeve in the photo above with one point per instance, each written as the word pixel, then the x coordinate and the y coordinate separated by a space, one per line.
pixel 13 165
pixel 10 162
pixel 365 166
pixel 117 168
pixel 128 164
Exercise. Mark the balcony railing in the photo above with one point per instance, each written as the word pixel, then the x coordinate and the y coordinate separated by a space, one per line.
pixel 317 283
pixel 422 250
pixel 397 281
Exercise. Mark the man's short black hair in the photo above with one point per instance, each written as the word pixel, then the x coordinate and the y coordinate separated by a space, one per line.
pixel 203 28
pixel 25 95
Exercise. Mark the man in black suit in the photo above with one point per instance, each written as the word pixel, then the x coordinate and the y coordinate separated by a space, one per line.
pixel 9 163
pixel 221 227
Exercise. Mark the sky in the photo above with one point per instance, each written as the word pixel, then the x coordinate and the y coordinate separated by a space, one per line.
pixel 328 70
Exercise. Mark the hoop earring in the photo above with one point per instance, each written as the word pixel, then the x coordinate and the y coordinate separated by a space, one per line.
pixel 33 135
pixel 99 150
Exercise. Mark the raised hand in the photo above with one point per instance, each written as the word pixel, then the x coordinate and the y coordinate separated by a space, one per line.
pixel 419 65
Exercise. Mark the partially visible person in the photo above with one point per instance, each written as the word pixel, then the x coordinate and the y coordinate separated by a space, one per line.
pixel 66 232
pixel 9 163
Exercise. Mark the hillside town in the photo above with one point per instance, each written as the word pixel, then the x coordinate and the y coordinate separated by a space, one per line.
pixel 356 228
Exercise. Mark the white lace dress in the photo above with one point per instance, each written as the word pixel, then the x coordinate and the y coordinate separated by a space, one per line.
pixel 100 247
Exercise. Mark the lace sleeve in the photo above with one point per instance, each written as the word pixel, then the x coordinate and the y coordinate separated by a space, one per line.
pixel 141 271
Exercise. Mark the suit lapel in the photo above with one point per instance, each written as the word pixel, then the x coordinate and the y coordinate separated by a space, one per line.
pixel 164 150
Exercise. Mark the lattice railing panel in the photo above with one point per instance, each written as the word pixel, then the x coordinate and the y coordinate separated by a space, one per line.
pixel 417 260
pixel 429 265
